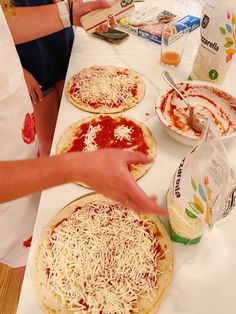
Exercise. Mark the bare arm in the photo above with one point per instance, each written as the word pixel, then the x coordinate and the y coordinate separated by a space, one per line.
pixel 20 178
pixel 29 23
pixel 105 171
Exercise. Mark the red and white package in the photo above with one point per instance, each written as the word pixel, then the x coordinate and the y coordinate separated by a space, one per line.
pixel 94 19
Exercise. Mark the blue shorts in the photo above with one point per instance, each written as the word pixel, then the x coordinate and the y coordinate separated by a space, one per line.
pixel 46 58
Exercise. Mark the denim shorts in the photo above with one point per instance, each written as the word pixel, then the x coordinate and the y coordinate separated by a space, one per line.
pixel 47 91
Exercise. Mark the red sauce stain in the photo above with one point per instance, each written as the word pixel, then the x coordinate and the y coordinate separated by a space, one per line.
pixel 65 219
pixel 157 234
pixel 134 90
pixel 206 180
pixel 28 129
pixel 27 242
pixel 205 98
pixel 60 222
pixel 187 87
pixel 85 305
pixel 47 271
pixel 74 89
pixel 180 119
pixel 158 250
pixel 164 102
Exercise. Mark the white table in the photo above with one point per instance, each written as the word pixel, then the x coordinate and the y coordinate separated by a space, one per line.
pixel 206 283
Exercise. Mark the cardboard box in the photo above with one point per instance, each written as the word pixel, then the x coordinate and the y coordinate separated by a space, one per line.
pixel 92 20
pixel 148 22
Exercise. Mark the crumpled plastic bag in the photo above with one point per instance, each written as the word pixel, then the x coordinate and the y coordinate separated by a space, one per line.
pixel 203 189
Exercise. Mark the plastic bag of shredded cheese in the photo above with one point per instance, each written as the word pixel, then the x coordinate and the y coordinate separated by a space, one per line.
pixel 218 43
pixel 203 189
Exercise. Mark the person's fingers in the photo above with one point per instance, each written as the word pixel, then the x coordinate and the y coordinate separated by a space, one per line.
pixel 93 5
pixel 102 28
pixel 113 24
pixel 137 158
pixel 33 96
pixel 38 92
pixel 117 195
pixel 149 206
pixel 140 201
pixel 111 21
pixel 153 197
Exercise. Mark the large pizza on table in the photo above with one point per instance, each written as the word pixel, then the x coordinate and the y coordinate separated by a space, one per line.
pixel 97 256
pixel 109 131
pixel 105 89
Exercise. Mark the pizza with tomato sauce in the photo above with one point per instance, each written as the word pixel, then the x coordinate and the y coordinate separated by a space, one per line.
pixel 109 131
pixel 98 256
pixel 105 89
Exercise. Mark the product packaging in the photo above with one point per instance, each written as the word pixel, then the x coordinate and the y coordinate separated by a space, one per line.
pixel 148 22
pixel 119 8
pixel 203 189
pixel 218 43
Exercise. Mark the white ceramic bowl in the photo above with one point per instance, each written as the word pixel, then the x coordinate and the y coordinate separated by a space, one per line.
pixel 207 98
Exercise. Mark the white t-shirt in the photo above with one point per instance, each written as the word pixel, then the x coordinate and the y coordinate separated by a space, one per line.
pixel 17 141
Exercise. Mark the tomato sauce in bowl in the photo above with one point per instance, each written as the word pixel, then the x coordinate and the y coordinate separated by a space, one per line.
pixel 205 98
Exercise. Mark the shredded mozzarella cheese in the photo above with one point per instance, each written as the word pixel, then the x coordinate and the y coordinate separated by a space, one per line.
pixel 89 140
pixel 103 86
pixel 123 132
pixel 101 259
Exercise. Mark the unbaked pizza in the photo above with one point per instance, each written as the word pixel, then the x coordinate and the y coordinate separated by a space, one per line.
pixel 109 131
pixel 97 256
pixel 105 89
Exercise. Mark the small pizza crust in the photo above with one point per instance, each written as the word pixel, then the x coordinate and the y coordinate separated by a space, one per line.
pixel 102 86
pixel 53 304
pixel 137 171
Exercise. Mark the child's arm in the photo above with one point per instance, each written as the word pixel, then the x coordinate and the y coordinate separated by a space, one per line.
pixel 34 89
pixel 105 171
pixel 29 23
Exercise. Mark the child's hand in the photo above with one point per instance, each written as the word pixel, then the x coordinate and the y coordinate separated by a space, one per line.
pixel 33 87
pixel 81 8
pixel 106 171
pixel 111 23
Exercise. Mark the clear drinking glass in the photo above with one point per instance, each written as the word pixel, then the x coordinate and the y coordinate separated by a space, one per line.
pixel 172 43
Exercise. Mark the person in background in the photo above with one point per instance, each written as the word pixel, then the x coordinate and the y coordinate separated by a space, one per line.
pixel 21 173
pixel 45 61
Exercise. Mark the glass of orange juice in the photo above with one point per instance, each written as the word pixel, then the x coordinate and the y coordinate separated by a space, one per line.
pixel 172 43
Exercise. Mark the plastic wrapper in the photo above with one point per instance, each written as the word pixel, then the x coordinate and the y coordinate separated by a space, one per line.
pixel 147 22
pixel 203 189
pixel 218 44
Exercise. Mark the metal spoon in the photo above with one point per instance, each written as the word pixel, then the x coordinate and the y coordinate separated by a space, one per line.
pixel 196 120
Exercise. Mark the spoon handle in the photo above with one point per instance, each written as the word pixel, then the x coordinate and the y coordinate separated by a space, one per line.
pixel 166 76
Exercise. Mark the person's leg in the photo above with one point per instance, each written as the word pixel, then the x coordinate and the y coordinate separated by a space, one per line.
pixel 45 113
pixel 21 271
pixel 59 89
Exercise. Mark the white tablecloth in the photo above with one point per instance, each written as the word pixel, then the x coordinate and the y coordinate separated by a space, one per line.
pixel 206 283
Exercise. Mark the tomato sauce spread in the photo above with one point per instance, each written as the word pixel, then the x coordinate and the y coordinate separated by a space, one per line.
pixel 207 100
pixel 105 137
pixel 98 87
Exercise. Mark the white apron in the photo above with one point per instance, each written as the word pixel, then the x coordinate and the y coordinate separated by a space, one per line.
pixel 17 141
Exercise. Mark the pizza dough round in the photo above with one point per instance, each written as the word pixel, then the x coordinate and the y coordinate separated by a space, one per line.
pixel 124 132
pixel 105 89
pixel 97 256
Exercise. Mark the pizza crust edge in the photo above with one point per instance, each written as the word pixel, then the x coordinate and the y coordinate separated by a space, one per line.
pixel 131 101
pixel 137 171
pixel 52 303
